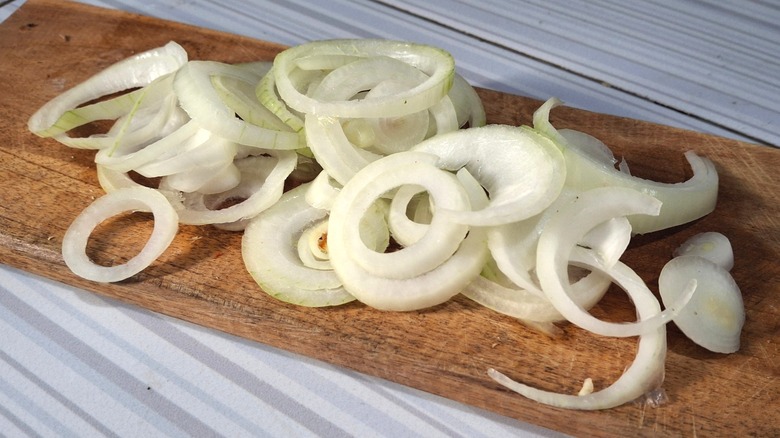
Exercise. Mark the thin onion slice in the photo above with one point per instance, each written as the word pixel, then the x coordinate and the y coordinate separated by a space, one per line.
pixel 522 171
pixel 262 184
pixel 270 254
pixel 136 71
pixel 682 202
pixel 561 235
pixel 199 98
pixel 436 63
pixel 143 199
pixel 645 373
pixel 386 288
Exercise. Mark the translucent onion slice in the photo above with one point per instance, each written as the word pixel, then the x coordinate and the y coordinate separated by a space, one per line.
pixel 186 136
pixel 711 245
pixel 322 191
pixel 513 245
pixel 434 62
pixel 385 290
pixel 262 184
pixel 210 151
pixel 527 304
pixel 208 180
pixel 715 315
pixel 341 159
pixel 141 199
pixel 239 95
pixel 269 250
pixel 404 229
pixel 136 71
pixel 467 103
pixel 442 237
pixel 682 202
pixel 522 171
pixel 269 98
pixel 149 97
pixel 645 373
pixel 559 239
pixel 198 97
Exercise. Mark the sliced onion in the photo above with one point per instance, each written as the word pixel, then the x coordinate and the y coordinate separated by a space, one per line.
pixel 186 136
pixel 136 71
pixel 559 238
pixel 711 245
pixel 715 315
pixel 270 253
pixel 322 191
pixel 645 373
pixel 142 199
pixel 682 202
pixel 197 96
pixel 385 285
pixel 341 159
pixel 522 171
pixel 262 184
pixel 436 63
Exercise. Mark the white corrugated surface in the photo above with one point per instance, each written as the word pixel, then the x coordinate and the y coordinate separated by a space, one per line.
pixel 74 364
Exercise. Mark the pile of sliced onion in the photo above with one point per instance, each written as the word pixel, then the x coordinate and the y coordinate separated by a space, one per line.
pixel 403 196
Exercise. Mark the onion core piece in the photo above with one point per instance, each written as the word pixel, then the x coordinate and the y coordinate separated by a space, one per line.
pixel 711 245
pixel 715 315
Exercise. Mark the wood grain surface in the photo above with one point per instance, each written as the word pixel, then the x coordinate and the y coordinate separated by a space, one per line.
pixel 48 46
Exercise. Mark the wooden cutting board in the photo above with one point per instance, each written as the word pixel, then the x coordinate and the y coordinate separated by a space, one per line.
pixel 48 46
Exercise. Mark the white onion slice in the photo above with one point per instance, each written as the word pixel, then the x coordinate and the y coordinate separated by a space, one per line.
pixel 645 373
pixel 322 191
pixel 442 238
pixel 467 103
pixel 715 315
pixel 208 180
pixel 436 63
pixel 682 202
pixel 135 71
pixel 528 305
pixel 711 245
pixel 341 159
pixel 270 254
pixel 199 98
pixel 522 171
pixel 143 199
pixel 182 138
pixel 382 287
pixel 262 184
pixel 557 243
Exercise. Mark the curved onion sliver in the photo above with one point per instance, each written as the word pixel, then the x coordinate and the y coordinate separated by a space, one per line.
pixel 645 373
